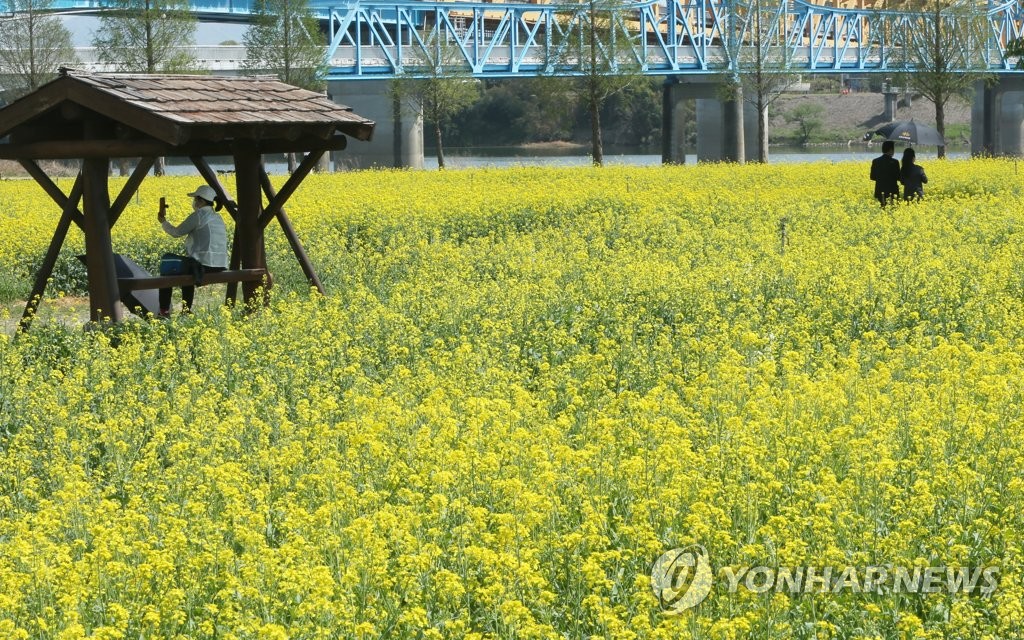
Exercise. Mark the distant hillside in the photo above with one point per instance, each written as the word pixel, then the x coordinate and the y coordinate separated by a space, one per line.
pixel 849 116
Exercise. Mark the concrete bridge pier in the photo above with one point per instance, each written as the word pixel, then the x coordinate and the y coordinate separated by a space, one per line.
pixel 398 135
pixel 723 126
pixel 997 118
pixel 890 98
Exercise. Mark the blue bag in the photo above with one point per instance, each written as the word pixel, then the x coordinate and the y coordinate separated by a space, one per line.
pixel 174 265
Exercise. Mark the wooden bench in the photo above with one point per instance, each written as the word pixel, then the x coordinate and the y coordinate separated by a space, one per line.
pixel 137 287
pixel 137 283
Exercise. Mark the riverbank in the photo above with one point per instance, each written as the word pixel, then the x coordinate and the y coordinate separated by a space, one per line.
pixel 849 117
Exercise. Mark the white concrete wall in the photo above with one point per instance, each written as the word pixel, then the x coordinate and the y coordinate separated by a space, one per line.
pixel 718 138
pixel 997 118
pixel 371 99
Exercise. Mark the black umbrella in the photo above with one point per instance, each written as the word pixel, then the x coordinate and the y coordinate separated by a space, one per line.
pixel 911 132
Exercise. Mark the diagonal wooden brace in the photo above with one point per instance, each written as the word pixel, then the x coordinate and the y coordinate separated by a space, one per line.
pixel 290 185
pixel 52 190
pixel 130 187
pixel 211 179
pixel 45 269
pixel 289 232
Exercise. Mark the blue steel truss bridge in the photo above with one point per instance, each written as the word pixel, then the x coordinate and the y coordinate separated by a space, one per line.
pixel 701 37
pixel 373 39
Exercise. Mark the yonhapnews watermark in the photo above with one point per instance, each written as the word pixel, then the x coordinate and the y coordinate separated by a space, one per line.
pixel 682 578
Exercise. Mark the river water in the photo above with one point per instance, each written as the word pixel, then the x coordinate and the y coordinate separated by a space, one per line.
pixel 568 157
pixel 470 157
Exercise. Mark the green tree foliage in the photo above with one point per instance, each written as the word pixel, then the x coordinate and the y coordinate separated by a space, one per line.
pixel 147 36
pixel 33 44
pixel 808 118
pixel 511 112
pixel 285 40
pixel 634 114
pixel 520 111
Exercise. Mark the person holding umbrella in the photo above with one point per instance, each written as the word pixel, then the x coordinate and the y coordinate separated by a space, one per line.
pixel 885 171
pixel 911 132
pixel 912 176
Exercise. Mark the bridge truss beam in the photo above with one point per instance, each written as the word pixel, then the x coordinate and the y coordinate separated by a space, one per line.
pixel 378 39
pixel 374 39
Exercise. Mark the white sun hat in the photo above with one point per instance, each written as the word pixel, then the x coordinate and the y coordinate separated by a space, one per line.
pixel 205 192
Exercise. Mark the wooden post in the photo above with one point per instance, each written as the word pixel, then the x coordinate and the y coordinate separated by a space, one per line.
pixel 99 254
pixel 249 233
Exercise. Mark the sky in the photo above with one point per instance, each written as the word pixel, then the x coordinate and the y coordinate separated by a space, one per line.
pixel 82 28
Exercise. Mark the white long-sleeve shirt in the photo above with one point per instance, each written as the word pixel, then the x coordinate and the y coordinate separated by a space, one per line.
pixel 207 240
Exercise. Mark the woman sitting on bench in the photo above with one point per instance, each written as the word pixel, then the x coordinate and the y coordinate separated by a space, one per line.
pixel 206 246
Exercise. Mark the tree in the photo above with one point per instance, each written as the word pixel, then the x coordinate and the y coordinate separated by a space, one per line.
pixel 807 117
pixel 33 44
pixel 284 40
pixel 147 36
pixel 760 59
pixel 596 43
pixel 943 53
pixel 438 89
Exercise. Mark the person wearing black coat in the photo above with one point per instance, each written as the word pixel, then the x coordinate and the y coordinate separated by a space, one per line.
pixel 912 176
pixel 885 171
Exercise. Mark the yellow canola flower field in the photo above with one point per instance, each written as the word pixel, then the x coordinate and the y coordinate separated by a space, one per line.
pixel 521 389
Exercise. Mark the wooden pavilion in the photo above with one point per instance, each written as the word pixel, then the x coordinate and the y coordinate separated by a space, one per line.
pixel 98 117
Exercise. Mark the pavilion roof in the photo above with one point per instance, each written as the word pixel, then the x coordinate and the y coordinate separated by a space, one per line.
pixel 176 110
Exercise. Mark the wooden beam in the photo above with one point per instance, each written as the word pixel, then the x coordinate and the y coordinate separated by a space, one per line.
pixel 293 238
pixel 129 188
pixel 99 255
pixel 52 253
pixel 289 187
pixel 75 149
pixel 304 144
pixel 211 179
pixel 47 128
pixel 52 189
pixel 71 149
